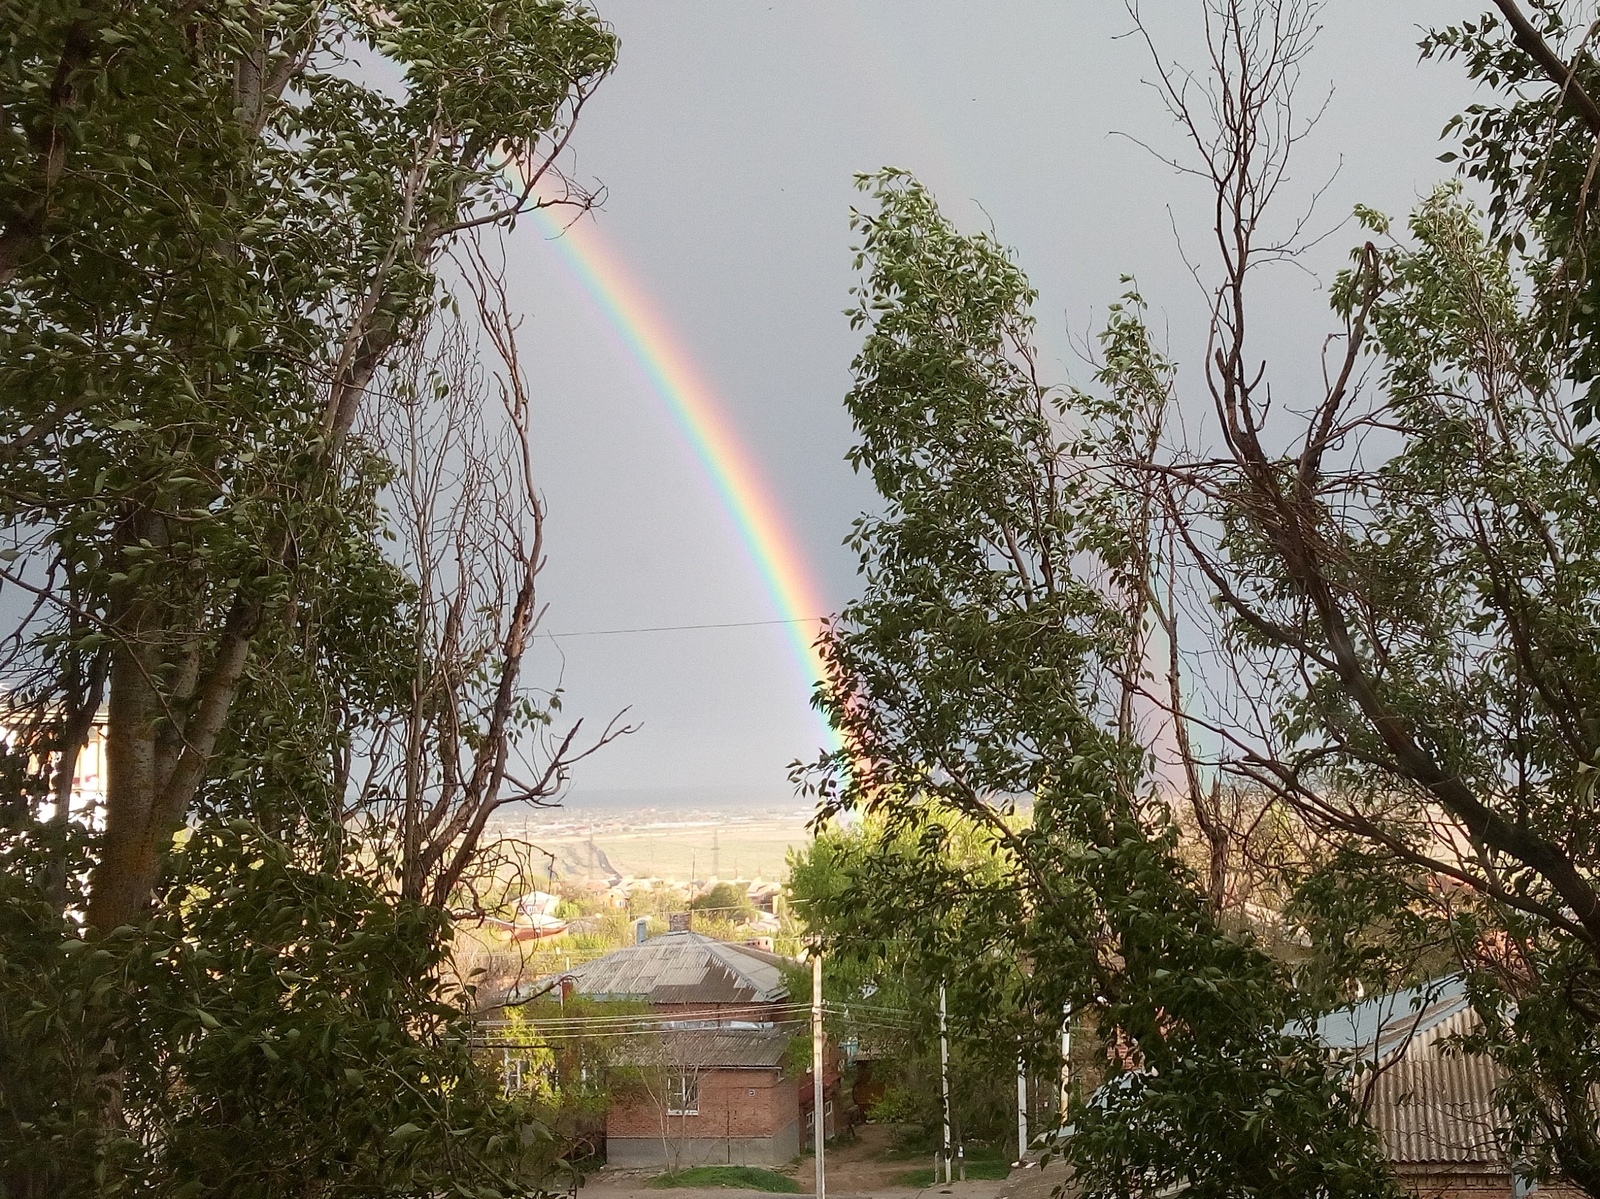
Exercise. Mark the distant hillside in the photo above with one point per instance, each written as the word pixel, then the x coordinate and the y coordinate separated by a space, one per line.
pixel 682 842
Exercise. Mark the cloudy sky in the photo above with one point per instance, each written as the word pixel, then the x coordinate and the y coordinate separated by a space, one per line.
pixel 727 142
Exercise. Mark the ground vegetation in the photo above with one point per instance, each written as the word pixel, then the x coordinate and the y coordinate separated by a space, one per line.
pixel 747 1178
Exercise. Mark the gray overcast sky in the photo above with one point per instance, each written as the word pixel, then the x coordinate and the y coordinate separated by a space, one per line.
pixel 727 141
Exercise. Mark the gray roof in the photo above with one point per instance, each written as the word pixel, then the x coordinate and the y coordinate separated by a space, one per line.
pixel 683 967
pixel 729 1047
pixel 1438 1110
pixel 1386 1025
pixel 1430 1103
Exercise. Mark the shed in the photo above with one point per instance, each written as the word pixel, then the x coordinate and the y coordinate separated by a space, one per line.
pixel 1432 1106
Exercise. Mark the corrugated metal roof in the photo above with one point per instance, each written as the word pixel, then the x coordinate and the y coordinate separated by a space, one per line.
pixel 1438 1110
pixel 683 967
pixel 1429 1104
pixel 728 1047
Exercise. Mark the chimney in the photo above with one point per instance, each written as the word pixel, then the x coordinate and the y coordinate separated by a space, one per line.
pixel 641 928
pixel 678 922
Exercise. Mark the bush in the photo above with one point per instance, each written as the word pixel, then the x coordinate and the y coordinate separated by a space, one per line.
pixel 725 899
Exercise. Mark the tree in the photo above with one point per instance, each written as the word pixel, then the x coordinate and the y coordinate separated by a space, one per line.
pixel 723 900
pixel 438 765
pixel 568 1053
pixel 187 349
pixel 219 230
pixel 1006 590
pixel 866 889
pixel 1393 579
pixel 1405 571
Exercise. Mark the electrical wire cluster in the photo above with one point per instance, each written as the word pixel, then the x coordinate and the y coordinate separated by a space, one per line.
pixel 537 1033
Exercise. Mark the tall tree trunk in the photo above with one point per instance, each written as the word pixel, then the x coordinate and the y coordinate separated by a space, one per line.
pixel 130 860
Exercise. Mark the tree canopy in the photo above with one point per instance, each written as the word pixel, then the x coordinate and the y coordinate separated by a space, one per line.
pixel 1296 695
pixel 236 243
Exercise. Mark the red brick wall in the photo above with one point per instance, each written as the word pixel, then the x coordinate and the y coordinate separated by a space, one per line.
pixel 1441 1182
pixel 1444 1183
pixel 733 1103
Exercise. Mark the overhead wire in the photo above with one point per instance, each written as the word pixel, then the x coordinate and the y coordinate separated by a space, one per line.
pixel 683 628
pixel 538 1033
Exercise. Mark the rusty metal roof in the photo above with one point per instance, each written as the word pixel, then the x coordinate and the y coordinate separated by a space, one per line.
pixel 683 967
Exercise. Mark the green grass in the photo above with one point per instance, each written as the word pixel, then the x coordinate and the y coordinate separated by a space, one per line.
pixel 981 1163
pixel 749 1178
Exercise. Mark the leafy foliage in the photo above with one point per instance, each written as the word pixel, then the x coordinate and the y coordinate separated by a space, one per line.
pixel 987 659
pixel 219 226
pixel 1397 583
pixel 277 1030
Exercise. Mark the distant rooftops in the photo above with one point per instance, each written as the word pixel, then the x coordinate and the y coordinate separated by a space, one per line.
pixel 683 967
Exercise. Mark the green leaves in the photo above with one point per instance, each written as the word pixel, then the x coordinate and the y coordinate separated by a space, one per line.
pixel 214 234
pixel 1017 848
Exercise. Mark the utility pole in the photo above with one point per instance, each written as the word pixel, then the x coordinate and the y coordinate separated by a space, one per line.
pixel 1022 1105
pixel 816 1066
pixel 1066 1059
pixel 944 1079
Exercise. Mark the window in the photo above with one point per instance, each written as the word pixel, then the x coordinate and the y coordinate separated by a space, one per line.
pixel 515 1073
pixel 683 1095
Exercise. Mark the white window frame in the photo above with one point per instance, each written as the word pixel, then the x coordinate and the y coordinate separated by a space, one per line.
pixel 683 1094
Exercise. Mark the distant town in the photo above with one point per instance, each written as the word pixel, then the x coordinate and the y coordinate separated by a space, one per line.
pixel 667 843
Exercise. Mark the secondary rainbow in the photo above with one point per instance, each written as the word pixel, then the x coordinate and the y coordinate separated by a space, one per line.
pixel 689 399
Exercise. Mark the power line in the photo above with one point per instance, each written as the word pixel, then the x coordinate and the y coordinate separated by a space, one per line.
pixel 565 1028
pixel 682 628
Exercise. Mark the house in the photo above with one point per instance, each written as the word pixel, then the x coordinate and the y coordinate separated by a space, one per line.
pixel 535 918
pixel 711 1082
pixel 1433 1109
pixel 766 896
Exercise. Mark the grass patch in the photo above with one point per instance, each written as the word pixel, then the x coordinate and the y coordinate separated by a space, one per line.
pixel 982 1162
pixel 749 1178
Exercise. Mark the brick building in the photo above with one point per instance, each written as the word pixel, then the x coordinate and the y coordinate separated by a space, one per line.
pixel 713 1085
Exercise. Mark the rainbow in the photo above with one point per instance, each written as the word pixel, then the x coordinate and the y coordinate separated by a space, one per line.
pixel 694 408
